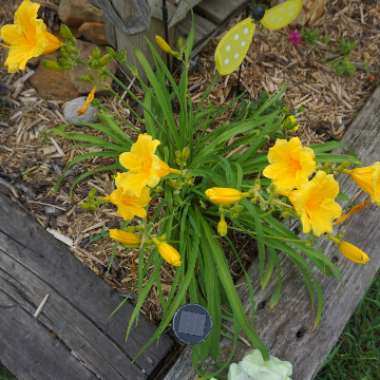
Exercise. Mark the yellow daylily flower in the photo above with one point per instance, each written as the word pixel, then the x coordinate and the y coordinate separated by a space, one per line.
pixel 368 179
pixel 222 227
pixel 145 168
pixel 27 38
pixel 352 252
pixel 224 196
pixel 127 238
pixel 165 47
pixel 290 165
pixel 315 203
pixel 168 252
pixel 86 105
pixel 129 206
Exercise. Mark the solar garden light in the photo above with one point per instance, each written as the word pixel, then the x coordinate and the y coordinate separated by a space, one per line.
pixel 192 324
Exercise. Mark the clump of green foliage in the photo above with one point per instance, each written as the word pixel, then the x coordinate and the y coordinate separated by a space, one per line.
pixel 231 154
pixel 343 65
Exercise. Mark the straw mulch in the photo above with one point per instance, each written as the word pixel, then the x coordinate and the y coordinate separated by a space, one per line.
pixel 31 159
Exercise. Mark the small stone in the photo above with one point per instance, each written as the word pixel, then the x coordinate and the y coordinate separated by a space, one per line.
pixel 76 12
pixel 51 84
pixel 94 32
pixel 49 210
pixel 67 84
pixel 70 112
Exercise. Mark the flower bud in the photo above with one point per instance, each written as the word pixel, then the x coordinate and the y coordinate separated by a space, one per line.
pixel 224 196
pixel 127 238
pixel 222 227
pixel 168 253
pixel 165 47
pixel 186 153
pixel 352 252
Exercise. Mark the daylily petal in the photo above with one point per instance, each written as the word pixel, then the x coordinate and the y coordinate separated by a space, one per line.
pixel 12 34
pixel 145 145
pixel 26 14
pixel 52 43
pixel 17 58
pixel 129 206
pixel 131 183
pixel 130 161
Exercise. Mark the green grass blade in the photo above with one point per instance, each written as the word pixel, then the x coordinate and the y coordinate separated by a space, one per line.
pixel 162 97
pixel 180 296
pixel 91 173
pixel 233 298
pixel 109 121
pixel 89 155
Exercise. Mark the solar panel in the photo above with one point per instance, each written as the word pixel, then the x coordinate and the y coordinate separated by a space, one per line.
pixel 192 324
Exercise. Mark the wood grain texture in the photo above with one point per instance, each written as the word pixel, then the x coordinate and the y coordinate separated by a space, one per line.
pixel 218 11
pixel 203 28
pixel 288 329
pixel 138 20
pixel 183 9
pixel 129 43
pixel 74 337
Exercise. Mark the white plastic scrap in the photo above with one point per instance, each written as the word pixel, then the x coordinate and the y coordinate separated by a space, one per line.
pixel 253 367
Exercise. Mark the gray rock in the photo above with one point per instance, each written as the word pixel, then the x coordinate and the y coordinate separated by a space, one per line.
pixel 70 112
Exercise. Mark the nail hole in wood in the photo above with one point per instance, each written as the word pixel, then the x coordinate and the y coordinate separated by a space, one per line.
pixel 335 259
pixel 301 333
pixel 261 305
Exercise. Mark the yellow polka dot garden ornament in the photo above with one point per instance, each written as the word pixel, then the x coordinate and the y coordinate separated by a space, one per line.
pixel 234 46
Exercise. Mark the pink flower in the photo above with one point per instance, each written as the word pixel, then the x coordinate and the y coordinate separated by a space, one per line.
pixel 295 38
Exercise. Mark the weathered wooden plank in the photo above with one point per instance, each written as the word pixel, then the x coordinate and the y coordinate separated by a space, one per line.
pixel 74 335
pixel 183 8
pixel 20 328
pixel 129 43
pixel 288 329
pixel 138 20
pixel 218 11
pixel 203 27
pixel 156 7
